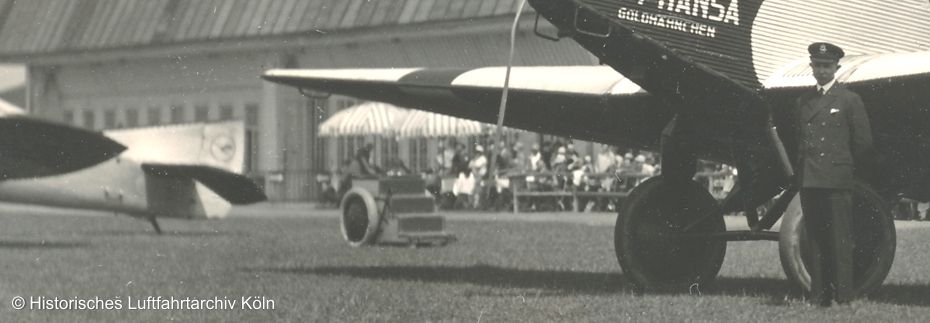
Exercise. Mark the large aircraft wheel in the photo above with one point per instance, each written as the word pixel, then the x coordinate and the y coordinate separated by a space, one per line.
pixel 651 254
pixel 360 218
pixel 873 234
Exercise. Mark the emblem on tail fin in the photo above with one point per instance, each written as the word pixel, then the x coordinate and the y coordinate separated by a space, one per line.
pixel 223 147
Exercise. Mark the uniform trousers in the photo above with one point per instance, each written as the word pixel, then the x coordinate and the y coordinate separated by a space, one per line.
pixel 828 222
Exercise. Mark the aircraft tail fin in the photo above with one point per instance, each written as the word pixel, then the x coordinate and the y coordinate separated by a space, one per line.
pixel 196 191
pixel 218 145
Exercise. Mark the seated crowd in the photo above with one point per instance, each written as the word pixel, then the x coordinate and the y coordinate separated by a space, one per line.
pixel 458 178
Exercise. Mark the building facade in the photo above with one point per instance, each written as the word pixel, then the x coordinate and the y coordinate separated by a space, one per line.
pixel 115 63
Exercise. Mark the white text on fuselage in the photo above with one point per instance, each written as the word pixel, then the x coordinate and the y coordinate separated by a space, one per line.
pixel 705 9
pixel 667 22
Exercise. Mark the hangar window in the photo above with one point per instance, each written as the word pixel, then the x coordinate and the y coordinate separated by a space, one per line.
pixel 226 112
pixel 251 151
pixel 69 118
pixel 109 119
pixel 177 114
pixel 154 114
pixel 132 117
pixel 201 112
pixel 251 124
pixel 251 114
pixel 89 119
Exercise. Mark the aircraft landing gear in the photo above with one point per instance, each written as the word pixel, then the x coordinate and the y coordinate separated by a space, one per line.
pixel 669 238
pixel 154 222
pixel 649 241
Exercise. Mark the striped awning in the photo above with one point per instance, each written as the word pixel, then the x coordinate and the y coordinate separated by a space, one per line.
pixel 370 118
pixel 423 124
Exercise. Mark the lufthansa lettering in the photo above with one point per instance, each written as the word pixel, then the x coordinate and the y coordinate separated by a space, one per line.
pixel 714 10
pixel 667 22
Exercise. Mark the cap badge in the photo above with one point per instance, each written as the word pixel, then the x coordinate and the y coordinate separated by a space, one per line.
pixel 823 48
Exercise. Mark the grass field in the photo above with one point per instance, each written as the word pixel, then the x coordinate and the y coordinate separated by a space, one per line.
pixel 533 270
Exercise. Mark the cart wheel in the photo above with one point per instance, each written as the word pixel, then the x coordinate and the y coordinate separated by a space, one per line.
pixel 650 254
pixel 361 221
pixel 873 234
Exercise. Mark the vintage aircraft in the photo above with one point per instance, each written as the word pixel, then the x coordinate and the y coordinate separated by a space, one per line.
pixel 184 171
pixel 703 79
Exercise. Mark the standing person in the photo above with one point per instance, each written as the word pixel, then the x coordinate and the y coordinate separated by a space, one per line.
pixel 448 155
pixel 459 160
pixel 572 154
pixel 536 160
pixel 606 160
pixel 479 171
pixel 479 163
pixel 439 162
pixel 833 134
pixel 505 159
pixel 546 150
pixel 521 160
pixel 559 162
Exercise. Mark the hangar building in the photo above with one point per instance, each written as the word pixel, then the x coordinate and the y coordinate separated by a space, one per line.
pixel 103 64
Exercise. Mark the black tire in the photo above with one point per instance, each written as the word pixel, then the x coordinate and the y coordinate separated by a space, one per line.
pixel 360 221
pixel 873 232
pixel 651 257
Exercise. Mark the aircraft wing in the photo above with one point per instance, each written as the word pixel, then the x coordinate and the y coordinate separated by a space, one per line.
pixel 31 147
pixel 592 103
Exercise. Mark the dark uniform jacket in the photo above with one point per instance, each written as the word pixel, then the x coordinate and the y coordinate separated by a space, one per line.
pixel 834 135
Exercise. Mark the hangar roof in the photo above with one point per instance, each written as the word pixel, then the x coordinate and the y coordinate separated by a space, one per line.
pixel 38 27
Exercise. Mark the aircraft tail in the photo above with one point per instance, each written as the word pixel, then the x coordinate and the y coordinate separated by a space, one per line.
pixel 187 171
pixel 218 145
pixel 192 170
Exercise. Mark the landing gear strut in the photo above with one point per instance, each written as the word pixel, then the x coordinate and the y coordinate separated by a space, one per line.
pixel 154 222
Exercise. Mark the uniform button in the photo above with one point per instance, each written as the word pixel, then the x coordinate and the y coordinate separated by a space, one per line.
pixel 809 124
pixel 822 154
pixel 822 139
pixel 823 123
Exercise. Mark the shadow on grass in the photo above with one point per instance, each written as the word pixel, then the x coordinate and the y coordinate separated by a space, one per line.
pixel 918 295
pixel 167 233
pixel 555 281
pixel 42 244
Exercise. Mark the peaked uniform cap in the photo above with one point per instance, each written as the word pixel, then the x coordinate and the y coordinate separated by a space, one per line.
pixel 821 51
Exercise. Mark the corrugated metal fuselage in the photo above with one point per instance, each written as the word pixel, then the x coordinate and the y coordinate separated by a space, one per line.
pixel 708 61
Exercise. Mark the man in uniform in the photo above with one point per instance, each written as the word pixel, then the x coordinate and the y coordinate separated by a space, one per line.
pixel 834 135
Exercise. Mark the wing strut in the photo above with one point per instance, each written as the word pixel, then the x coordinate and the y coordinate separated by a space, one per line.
pixel 498 131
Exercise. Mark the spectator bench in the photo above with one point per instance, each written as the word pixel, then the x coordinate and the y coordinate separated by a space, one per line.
pixel 526 185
